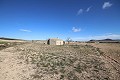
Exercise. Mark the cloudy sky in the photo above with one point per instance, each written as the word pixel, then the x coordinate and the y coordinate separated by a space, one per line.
pixel 43 19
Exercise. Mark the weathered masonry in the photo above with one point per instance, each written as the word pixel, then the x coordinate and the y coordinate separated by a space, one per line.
pixel 55 41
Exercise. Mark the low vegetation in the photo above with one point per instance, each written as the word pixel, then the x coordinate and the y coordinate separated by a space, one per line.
pixel 68 62
pixel 4 44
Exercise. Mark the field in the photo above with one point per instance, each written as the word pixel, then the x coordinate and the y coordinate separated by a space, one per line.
pixel 82 61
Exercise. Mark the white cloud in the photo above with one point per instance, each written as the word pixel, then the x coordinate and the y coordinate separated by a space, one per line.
pixel 88 9
pixel 76 29
pixel 106 5
pixel 80 11
pixel 24 30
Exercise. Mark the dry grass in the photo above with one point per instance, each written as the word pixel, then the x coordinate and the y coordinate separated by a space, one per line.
pixel 4 44
pixel 110 49
pixel 67 62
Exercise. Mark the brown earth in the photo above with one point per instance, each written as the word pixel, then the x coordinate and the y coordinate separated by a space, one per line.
pixel 31 61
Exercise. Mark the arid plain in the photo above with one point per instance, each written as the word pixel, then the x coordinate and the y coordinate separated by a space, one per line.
pixel 22 60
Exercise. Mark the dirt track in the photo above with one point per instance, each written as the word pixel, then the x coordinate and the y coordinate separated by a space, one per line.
pixel 42 62
pixel 12 68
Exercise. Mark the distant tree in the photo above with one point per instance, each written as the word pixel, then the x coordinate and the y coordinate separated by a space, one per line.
pixel 69 40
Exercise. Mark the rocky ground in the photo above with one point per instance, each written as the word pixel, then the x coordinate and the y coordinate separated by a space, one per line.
pixel 31 61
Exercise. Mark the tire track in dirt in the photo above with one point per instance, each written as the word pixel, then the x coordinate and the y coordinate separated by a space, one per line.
pixel 113 62
pixel 109 58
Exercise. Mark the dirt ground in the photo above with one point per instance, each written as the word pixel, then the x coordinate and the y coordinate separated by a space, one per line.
pixel 31 61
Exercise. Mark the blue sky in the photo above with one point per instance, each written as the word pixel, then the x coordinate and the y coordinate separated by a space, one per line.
pixel 43 19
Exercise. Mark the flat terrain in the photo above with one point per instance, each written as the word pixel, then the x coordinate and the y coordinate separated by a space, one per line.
pixel 34 61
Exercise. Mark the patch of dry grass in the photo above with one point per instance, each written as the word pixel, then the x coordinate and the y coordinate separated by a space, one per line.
pixel 68 62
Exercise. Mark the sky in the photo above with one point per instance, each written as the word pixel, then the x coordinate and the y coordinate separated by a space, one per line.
pixel 76 19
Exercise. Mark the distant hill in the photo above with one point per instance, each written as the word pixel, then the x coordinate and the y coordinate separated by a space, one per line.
pixel 3 38
pixel 105 41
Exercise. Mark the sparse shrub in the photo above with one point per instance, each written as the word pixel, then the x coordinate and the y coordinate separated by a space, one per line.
pixel 80 67
pixel 72 76
pixel 61 76
pixel 66 61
